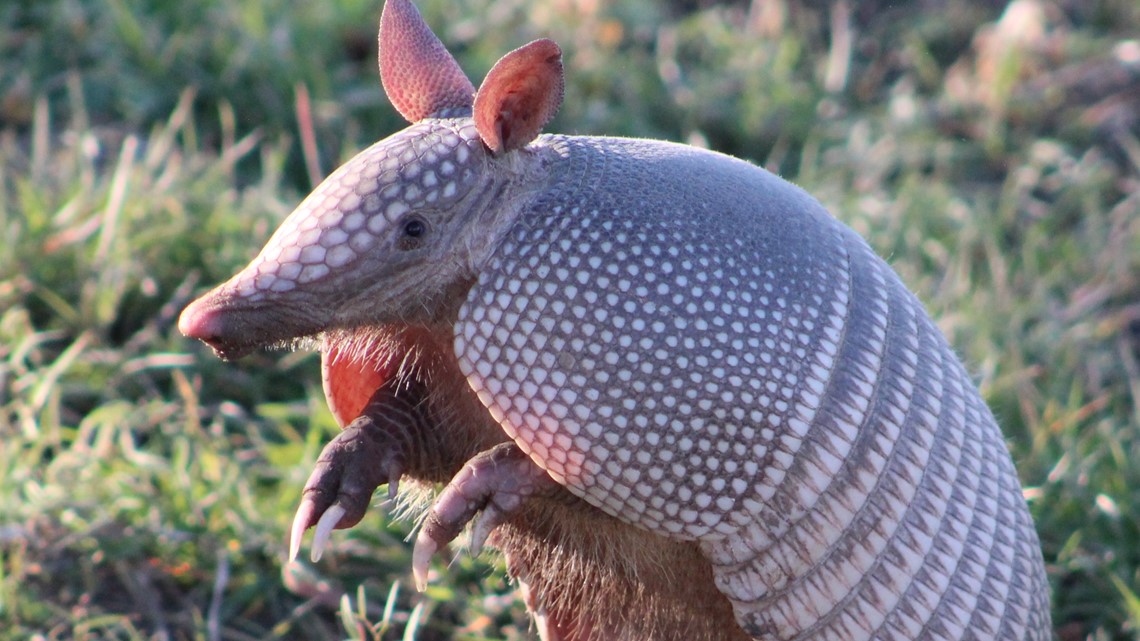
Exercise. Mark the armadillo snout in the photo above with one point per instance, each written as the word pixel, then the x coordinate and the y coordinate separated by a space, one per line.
pixel 235 326
pixel 210 324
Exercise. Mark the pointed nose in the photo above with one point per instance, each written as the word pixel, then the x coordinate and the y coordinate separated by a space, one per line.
pixel 216 326
pixel 200 322
pixel 205 322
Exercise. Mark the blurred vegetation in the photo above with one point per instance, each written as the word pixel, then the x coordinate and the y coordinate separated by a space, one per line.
pixel 148 148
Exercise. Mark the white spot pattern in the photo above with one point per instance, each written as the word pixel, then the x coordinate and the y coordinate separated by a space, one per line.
pixel 761 382
pixel 665 331
pixel 350 211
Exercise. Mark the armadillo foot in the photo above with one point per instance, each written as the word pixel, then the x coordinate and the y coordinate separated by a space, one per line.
pixel 336 496
pixel 494 484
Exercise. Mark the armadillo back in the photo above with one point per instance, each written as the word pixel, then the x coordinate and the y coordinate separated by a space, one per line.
pixel 697 347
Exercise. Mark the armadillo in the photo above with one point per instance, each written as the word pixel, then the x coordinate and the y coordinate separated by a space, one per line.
pixel 680 397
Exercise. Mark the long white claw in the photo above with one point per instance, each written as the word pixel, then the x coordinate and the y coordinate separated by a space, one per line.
pixel 324 529
pixel 297 531
pixel 481 528
pixel 421 558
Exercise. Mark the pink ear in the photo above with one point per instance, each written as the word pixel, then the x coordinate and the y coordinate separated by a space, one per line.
pixel 419 75
pixel 520 94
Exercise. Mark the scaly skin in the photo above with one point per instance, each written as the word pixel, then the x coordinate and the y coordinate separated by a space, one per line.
pixel 372 451
pixel 495 485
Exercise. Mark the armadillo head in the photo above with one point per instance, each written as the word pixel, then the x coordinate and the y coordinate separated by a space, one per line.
pixel 392 234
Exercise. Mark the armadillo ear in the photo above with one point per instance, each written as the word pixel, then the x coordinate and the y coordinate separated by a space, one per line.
pixel 419 75
pixel 520 94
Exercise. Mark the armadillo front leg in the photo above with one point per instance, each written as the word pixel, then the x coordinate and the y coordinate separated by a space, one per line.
pixel 494 484
pixel 373 450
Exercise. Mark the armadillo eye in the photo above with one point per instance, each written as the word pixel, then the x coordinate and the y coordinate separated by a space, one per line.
pixel 413 231
pixel 414 228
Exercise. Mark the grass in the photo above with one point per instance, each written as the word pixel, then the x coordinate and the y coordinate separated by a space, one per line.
pixel 148 149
